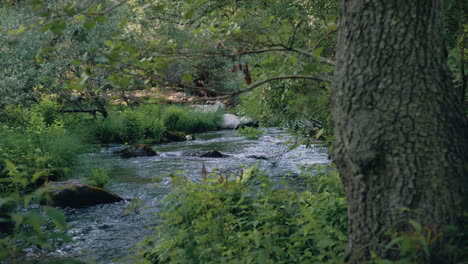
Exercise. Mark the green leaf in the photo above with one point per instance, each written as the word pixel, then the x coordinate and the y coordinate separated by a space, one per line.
pixel 21 30
pixel 57 217
pixel 123 23
pixel 100 19
pixel 58 27
pixel 187 78
pixel 189 14
pixel 416 225
pixel 319 133
pixel 318 51
pixel 108 43
pixel 70 9
pixel 89 24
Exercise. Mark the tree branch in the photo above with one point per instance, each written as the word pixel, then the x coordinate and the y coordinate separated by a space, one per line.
pixel 293 38
pixel 317 77
pixel 107 10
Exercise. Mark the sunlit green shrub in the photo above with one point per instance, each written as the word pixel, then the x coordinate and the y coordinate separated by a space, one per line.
pixel 37 147
pixel 250 132
pixel 252 220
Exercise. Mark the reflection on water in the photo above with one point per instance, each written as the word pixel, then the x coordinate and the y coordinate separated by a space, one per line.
pixel 108 233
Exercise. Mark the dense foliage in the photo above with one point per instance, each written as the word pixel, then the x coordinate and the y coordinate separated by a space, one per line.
pixel 66 63
pixel 252 219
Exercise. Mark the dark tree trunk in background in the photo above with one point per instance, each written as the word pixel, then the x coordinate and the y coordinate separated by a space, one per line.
pixel 401 138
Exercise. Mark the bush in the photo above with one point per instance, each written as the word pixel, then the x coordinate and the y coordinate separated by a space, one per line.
pixel 39 150
pixel 251 221
pixel 129 126
pixel 189 121
pixel 250 132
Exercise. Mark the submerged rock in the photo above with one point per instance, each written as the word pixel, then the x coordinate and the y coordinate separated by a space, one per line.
pixel 73 193
pixel 259 157
pixel 137 150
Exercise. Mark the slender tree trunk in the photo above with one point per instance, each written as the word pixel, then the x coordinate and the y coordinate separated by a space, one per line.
pixel 401 137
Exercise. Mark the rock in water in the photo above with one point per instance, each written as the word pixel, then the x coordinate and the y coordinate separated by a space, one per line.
pixel 73 193
pixel 211 154
pixel 230 121
pixel 174 136
pixel 137 150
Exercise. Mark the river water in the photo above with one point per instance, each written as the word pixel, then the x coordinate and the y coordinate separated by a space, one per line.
pixel 109 233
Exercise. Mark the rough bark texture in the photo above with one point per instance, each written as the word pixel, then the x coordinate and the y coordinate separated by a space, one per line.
pixel 401 137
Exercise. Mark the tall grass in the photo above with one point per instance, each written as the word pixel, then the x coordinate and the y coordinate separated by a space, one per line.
pixel 190 121
pixel 148 124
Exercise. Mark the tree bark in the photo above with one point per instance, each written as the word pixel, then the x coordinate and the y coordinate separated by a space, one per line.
pixel 401 137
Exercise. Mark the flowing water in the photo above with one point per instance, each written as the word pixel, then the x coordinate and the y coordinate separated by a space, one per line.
pixel 108 233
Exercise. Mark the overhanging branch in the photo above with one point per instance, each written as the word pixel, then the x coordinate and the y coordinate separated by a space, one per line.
pixel 316 77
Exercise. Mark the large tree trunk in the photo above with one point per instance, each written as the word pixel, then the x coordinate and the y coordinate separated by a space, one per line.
pixel 401 137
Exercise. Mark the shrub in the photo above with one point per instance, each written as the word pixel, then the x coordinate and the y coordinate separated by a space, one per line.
pixel 129 126
pixel 38 149
pixel 250 132
pixel 48 109
pixel 107 130
pixel 250 221
pixel 189 121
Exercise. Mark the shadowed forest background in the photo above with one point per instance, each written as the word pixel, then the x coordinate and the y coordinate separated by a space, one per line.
pixel 376 91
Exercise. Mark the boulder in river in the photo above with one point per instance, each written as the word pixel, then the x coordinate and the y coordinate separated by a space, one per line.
pixel 174 136
pixel 137 150
pixel 73 193
pixel 211 154
pixel 231 121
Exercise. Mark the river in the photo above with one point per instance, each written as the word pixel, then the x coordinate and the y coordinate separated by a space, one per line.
pixel 109 233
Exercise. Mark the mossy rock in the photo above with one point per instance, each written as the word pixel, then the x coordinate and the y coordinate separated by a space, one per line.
pixel 73 193
pixel 137 150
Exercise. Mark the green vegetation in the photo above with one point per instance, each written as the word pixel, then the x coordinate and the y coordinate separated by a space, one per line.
pixel 74 74
pixel 190 121
pixel 98 177
pixel 252 220
pixel 250 132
